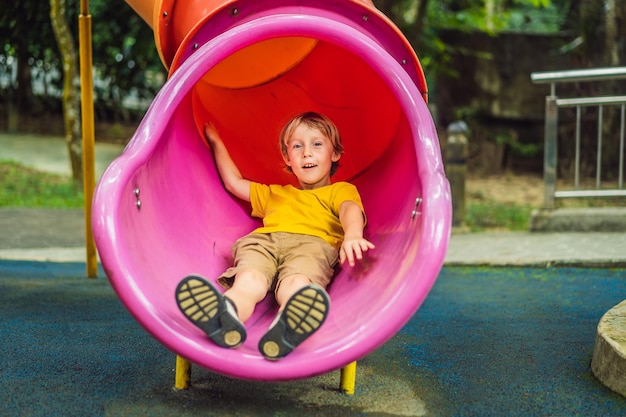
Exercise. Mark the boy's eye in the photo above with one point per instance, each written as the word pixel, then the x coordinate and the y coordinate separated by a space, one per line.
pixel 296 146
pixel 317 144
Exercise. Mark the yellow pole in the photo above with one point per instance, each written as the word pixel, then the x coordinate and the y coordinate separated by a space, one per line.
pixel 183 373
pixel 86 92
pixel 348 378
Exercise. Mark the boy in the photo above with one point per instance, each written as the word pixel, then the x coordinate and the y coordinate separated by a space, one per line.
pixel 305 230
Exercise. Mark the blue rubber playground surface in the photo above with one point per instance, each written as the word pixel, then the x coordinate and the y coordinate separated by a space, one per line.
pixel 488 341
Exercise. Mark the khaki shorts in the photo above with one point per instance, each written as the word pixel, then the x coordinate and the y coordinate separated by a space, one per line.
pixel 279 255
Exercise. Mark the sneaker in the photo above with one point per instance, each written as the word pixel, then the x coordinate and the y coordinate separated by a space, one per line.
pixel 303 314
pixel 207 308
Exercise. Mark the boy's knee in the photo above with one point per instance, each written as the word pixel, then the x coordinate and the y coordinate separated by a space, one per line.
pixel 252 279
pixel 298 279
pixel 289 286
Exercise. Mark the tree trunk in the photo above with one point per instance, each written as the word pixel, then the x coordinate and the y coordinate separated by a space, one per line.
pixel 385 6
pixel 611 45
pixel 419 23
pixel 24 93
pixel 71 98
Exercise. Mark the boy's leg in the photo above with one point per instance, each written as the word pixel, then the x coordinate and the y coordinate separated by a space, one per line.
pixel 249 288
pixel 289 286
pixel 252 274
pixel 206 307
pixel 301 316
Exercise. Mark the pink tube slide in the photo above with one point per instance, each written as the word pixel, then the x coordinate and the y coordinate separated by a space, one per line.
pixel 160 211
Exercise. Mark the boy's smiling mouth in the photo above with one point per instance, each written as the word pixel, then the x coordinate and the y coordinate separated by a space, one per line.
pixel 307 166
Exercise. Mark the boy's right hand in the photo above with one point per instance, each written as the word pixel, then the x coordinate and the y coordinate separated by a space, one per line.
pixel 211 134
pixel 234 182
pixel 352 250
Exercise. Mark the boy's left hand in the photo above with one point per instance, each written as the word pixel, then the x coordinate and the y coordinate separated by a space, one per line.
pixel 353 249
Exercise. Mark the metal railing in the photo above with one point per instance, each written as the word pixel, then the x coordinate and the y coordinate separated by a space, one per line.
pixel 553 103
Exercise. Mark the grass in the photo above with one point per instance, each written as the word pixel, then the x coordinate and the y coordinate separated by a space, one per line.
pixel 25 187
pixel 491 215
pixel 21 186
pixel 484 212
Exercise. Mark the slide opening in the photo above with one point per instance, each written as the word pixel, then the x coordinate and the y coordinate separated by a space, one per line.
pixel 329 79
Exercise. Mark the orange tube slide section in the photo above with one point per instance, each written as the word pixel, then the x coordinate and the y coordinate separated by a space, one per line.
pixel 174 22
pixel 306 73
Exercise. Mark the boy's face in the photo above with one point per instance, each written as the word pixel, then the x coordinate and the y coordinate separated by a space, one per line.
pixel 310 156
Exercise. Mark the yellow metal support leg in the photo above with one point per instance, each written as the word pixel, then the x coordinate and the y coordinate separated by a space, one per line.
pixel 348 378
pixel 88 140
pixel 183 373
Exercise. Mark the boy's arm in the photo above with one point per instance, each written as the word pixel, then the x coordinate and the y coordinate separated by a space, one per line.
pixel 233 181
pixel 352 221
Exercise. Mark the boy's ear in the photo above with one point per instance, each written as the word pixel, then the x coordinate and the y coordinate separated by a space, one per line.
pixel 286 158
pixel 336 156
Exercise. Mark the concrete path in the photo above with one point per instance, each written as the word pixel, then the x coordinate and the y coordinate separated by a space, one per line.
pixel 57 235
pixel 49 153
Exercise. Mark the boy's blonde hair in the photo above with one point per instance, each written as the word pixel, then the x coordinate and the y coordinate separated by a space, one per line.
pixel 314 121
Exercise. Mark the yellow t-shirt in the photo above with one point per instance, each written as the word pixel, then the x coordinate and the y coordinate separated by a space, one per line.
pixel 285 208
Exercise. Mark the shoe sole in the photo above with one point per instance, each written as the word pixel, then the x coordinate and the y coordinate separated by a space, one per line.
pixel 205 307
pixel 303 315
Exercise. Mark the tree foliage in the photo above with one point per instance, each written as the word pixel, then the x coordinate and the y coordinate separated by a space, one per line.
pixel 595 26
pixel 27 44
pixel 123 53
pixel 125 57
